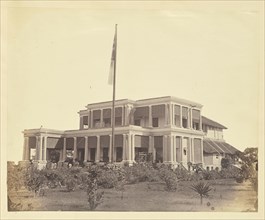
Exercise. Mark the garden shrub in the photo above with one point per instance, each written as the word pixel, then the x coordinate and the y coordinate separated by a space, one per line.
pixel 94 197
pixel 16 175
pixel 139 172
pixel 107 178
pixel 182 174
pixel 239 179
pixel 230 172
pixel 170 178
pixel 35 179
pixel 211 175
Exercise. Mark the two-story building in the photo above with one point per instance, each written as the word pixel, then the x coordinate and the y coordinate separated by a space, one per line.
pixel 214 146
pixel 167 129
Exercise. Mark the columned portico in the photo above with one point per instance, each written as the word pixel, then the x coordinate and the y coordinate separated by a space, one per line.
pixel 142 127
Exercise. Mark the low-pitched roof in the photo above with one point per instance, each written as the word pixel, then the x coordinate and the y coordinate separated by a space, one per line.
pixel 213 146
pixel 212 123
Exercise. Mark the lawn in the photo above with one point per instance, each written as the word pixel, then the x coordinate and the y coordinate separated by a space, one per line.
pixel 227 195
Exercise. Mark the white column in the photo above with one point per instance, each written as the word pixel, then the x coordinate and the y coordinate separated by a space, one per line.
pixel 110 144
pixel 191 150
pixel 170 148
pixel 150 148
pixel 122 115
pixel 133 147
pixel 202 159
pixel 88 120
pixel 81 126
pixel 26 150
pixel 129 147
pixel 124 147
pixel 91 119
pixel 75 149
pixel 64 149
pixel 86 149
pixel 165 149
pixel 174 148
pixel 200 121
pixel 154 150
pixel 181 148
pixel 166 115
pixel 126 115
pixel 150 123
pixel 44 156
pixel 40 148
pixel 170 114
pixel 98 149
pixel 191 118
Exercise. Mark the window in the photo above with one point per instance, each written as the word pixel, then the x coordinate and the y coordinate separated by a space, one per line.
pixel 184 151
pixel 107 122
pixel 97 123
pixel 184 122
pixel 217 156
pixel 85 121
pixel 118 120
pixel 195 126
pixel 207 168
pixel 137 122
pixel 155 122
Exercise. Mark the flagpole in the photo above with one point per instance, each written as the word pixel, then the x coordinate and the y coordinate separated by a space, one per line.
pixel 113 101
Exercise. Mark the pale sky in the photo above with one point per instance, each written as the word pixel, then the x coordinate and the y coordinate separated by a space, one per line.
pixel 57 58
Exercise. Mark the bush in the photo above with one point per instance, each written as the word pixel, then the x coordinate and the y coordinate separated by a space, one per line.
pixel 35 179
pixel 16 176
pixel 211 175
pixel 230 172
pixel 239 179
pixel 225 162
pixel 170 178
pixel 182 174
pixel 107 179
pixel 141 172
pixel 93 195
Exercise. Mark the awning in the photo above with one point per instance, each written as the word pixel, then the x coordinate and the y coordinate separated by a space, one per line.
pixel 214 146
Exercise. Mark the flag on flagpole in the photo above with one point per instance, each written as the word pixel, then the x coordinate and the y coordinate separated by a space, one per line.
pixel 113 59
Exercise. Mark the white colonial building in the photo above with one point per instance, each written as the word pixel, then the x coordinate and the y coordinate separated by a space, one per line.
pixel 164 129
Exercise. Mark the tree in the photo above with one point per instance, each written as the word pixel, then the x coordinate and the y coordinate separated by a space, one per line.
pixel 248 159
